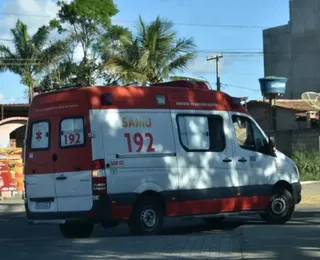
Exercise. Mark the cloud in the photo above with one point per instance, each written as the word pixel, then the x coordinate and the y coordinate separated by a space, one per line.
pixel 36 13
pixel 1 98
pixel 201 66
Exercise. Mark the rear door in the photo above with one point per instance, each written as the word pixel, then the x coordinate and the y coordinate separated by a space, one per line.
pixel 39 167
pixel 72 163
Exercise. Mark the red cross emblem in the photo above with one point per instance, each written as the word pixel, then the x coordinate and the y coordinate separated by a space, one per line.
pixel 38 135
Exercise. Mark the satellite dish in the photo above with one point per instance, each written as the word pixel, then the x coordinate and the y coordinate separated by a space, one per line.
pixel 312 98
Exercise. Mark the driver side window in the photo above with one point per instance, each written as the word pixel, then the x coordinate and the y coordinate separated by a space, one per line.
pixel 248 135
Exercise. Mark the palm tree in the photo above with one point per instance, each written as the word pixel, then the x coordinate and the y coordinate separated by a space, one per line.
pixel 152 55
pixel 31 55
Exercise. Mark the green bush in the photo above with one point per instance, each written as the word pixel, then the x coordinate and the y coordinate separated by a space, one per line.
pixel 308 163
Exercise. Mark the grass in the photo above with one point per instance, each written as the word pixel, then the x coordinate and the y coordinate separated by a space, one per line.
pixel 308 163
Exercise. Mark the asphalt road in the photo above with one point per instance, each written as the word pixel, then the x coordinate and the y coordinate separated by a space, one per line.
pixel 237 238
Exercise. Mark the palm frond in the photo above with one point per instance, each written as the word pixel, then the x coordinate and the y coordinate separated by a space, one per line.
pixel 8 60
pixel 178 64
pixel 52 54
pixel 21 39
pixel 40 38
pixel 126 69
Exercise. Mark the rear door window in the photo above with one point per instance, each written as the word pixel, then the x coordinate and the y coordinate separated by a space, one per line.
pixel 72 132
pixel 40 135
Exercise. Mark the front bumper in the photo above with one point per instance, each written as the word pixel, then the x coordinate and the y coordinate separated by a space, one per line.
pixel 297 188
pixel 101 211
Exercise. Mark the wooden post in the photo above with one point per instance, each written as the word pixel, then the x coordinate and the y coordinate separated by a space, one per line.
pixel 272 103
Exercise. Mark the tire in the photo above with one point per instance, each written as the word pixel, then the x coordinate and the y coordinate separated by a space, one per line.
pixel 147 217
pixel 72 230
pixel 280 208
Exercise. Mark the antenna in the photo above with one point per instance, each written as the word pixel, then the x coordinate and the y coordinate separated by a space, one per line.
pixel 312 98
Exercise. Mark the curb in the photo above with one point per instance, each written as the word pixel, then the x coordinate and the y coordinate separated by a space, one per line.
pixel 309 182
pixel 12 208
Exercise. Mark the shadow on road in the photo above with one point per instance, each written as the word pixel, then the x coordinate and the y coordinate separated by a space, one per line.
pixel 248 237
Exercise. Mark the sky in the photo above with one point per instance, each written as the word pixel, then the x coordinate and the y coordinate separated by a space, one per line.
pixel 217 27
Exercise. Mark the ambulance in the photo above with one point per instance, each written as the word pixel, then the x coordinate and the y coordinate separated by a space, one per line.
pixel 102 155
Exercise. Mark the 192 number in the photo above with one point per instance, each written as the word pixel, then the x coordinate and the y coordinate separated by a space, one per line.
pixel 70 139
pixel 139 140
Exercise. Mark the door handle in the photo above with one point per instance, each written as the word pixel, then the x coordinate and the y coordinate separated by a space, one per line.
pixel 61 178
pixel 54 157
pixel 227 160
pixel 242 160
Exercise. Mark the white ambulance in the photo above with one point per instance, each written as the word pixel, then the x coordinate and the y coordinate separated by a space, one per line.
pixel 104 155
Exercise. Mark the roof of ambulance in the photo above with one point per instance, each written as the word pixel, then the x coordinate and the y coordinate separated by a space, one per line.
pixel 123 93
pixel 117 89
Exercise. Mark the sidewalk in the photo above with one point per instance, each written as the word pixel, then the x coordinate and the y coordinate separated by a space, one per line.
pixel 310 196
pixel 311 193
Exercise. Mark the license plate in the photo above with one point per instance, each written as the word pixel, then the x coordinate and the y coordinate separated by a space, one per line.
pixel 43 205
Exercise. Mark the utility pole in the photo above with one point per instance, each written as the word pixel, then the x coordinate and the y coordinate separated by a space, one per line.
pixel 217 58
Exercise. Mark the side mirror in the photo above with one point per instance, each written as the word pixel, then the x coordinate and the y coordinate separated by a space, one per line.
pixel 272 147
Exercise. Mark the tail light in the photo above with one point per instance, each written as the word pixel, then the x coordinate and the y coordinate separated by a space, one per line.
pixel 99 179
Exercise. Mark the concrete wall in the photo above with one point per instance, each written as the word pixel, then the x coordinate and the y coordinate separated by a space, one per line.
pixel 262 116
pixel 277 51
pixel 296 48
pixel 305 46
pixel 285 119
pixel 308 139
pixel 290 141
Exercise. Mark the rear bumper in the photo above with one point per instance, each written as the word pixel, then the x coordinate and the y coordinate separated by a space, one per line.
pixel 100 212
pixel 297 188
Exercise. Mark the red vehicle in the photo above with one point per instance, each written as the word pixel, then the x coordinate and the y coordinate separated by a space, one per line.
pixel 103 155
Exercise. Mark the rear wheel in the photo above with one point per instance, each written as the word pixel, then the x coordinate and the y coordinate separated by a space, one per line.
pixel 75 230
pixel 147 217
pixel 280 208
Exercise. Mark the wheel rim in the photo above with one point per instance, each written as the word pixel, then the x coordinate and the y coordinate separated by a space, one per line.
pixel 279 206
pixel 149 219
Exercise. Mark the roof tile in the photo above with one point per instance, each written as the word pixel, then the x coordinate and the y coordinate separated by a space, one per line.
pixel 292 104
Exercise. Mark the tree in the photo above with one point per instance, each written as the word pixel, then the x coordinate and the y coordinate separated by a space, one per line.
pixel 153 54
pixel 85 21
pixel 31 55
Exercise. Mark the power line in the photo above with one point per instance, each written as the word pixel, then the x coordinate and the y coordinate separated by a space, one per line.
pixel 240 87
pixel 17 59
pixel 19 14
pixel 208 25
pixel 20 64
pixel 3 39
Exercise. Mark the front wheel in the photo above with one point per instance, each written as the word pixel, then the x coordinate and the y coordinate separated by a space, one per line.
pixel 75 230
pixel 147 217
pixel 280 208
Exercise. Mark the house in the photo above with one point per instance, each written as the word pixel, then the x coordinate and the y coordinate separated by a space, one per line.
pixel 287 114
pixel 13 119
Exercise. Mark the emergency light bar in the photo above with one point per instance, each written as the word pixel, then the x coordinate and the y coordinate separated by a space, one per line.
pixel 56 87
pixel 237 101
